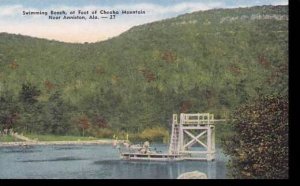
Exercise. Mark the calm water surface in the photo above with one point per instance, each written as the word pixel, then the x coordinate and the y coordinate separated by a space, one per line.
pixel 96 162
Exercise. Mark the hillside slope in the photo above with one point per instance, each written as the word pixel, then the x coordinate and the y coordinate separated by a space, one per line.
pixel 206 61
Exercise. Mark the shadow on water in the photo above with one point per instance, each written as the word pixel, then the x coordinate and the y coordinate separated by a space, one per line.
pixel 96 162
pixel 132 162
pixel 36 148
pixel 159 170
pixel 67 147
pixel 55 159
pixel 27 149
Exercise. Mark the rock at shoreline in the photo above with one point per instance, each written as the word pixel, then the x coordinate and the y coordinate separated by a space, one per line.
pixel 193 175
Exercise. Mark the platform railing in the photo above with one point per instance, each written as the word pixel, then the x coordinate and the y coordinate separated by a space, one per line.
pixel 199 118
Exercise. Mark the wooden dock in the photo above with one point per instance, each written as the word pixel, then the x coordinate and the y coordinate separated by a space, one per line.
pixel 192 131
pixel 152 157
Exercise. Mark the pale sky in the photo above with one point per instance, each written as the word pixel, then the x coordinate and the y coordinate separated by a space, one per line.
pixel 12 20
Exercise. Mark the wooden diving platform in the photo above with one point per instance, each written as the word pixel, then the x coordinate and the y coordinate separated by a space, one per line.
pixel 192 130
pixel 152 157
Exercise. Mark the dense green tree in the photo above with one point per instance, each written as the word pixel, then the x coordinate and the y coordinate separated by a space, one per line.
pixel 29 93
pixel 31 109
pixel 205 61
pixel 9 110
pixel 83 123
pixel 259 146
pixel 56 119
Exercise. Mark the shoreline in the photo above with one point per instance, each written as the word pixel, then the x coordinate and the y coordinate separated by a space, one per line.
pixel 31 143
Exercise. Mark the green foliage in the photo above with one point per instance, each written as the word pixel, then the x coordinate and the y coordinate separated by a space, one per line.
pixel 55 115
pixel 259 146
pixel 155 134
pixel 102 133
pixel 9 111
pixel 83 123
pixel 223 131
pixel 8 138
pixel 29 94
pixel 31 109
pixel 206 61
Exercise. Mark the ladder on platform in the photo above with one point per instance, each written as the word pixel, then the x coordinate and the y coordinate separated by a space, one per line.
pixel 174 143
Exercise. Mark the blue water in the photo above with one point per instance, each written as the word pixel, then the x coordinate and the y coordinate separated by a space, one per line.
pixel 95 162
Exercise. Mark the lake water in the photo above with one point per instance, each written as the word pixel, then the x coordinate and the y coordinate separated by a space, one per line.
pixel 96 162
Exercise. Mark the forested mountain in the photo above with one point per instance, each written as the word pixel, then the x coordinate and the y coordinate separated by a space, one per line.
pixel 206 61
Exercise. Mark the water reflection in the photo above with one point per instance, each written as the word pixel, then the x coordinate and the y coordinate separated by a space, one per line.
pixel 66 147
pixel 159 170
pixel 20 149
pixel 55 159
pixel 95 162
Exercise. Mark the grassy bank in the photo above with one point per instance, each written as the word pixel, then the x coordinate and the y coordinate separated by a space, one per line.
pixel 49 137
pixel 7 138
pixel 155 134
pixel 162 135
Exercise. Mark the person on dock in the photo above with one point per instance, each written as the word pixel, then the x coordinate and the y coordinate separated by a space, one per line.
pixel 115 142
pixel 127 145
pixel 145 148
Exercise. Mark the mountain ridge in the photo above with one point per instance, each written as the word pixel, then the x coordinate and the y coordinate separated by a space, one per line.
pixel 138 79
pixel 159 21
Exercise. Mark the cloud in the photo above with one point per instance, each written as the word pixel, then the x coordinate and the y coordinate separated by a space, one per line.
pixel 12 20
pixel 280 2
pixel 259 2
pixel 151 9
pixel 176 8
pixel 10 10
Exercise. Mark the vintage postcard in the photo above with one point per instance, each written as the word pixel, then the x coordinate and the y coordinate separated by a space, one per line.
pixel 149 89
